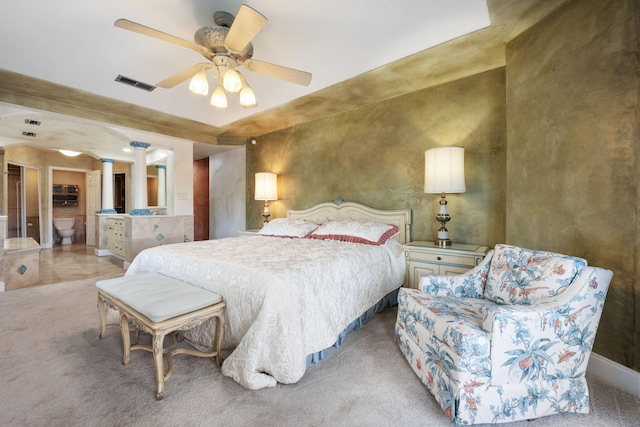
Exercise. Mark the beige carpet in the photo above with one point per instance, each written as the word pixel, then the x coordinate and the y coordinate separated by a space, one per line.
pixel 55 371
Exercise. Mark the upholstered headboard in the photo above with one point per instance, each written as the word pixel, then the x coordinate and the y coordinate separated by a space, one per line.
pixel 350 210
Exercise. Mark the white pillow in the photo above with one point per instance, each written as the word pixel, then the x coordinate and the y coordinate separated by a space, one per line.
pixel 287 227
pixel 355 231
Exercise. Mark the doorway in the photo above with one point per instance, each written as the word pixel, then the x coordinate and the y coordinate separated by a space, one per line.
pixel 119 192
pixel 23 202
pixel 75 208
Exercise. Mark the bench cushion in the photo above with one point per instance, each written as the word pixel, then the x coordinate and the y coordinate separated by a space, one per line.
pixel 158 297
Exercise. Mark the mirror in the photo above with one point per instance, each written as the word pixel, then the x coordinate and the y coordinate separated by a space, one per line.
pixel 156 180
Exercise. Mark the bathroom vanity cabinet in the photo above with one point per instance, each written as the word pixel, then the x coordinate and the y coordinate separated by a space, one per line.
pixel 115 236
pixel 125 236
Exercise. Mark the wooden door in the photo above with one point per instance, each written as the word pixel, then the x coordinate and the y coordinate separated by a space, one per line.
pixel 201 199
pixel 92 205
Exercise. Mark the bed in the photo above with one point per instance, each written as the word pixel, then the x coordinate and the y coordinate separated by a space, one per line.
pixel 289 298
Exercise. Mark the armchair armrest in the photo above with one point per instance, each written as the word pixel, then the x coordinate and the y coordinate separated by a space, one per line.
pixel 467 285
pixel 549 340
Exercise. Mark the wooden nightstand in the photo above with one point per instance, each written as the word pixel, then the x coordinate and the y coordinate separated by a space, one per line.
pixel 431 259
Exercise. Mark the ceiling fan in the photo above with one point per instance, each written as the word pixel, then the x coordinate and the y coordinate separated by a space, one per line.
pixel 226 45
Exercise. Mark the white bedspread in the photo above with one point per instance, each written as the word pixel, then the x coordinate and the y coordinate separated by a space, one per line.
pixel 286 298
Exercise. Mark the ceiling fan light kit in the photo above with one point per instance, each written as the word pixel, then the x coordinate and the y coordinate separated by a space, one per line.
pixel 226 45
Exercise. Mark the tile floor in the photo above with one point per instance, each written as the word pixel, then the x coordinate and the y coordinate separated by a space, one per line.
pixel 64 263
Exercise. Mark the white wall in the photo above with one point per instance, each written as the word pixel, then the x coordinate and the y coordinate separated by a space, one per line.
pixel 227 189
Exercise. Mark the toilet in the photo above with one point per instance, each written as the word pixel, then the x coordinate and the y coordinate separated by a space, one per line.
pixel 64 228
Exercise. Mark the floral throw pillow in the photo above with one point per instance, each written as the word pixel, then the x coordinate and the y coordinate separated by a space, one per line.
pixel 525 276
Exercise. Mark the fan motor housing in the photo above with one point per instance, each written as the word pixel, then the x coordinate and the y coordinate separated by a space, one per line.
pixel 212 36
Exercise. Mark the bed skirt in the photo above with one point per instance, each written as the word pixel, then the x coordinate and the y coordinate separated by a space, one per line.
pixel 388 300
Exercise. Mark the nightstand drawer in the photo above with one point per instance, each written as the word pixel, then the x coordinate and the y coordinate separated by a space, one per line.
pixel 442 258
pixel 425 258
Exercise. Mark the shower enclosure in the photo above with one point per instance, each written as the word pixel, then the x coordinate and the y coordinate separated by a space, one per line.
pixel 23 202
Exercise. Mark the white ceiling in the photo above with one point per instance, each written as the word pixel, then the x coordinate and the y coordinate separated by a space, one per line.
pixel 98 140
pixel 74 43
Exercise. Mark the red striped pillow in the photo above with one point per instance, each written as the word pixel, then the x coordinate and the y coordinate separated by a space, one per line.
pixel 355 231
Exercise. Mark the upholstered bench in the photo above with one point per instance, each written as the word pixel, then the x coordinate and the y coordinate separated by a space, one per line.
pixel 160 305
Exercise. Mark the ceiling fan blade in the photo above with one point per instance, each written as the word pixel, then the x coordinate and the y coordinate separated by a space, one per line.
pixel 183 75
pixel 279 72
pixel 246 25
pixel 141 29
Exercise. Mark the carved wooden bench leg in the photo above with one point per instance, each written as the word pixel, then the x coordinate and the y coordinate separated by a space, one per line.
pixel 158 353
pixel 218 340
pixel 126 344
pixel 103 303
pixel 103 318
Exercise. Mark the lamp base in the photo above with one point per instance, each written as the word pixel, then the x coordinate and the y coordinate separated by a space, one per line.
pixel 443 243
pixel 443 217
pixel 265 211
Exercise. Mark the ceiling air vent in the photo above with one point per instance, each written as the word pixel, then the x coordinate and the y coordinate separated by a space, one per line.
pixel 31 134
pixel 134 83
pixel 32 122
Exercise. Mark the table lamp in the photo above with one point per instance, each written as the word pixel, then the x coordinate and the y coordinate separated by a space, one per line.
pixel 266 189
pixel 444 173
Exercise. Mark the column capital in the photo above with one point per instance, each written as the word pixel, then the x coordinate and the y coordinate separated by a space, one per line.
pixel 138 144
pixel 161 166
pixel 107 160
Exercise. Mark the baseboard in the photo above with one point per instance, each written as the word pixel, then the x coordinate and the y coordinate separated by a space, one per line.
pixel 614 373
pixel 102 252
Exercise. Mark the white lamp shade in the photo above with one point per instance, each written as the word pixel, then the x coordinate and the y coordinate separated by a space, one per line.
pixel 231 81
pixel 444 170
pixel 199 84
pixel 247 97
pixel 266 186
pixel 219 98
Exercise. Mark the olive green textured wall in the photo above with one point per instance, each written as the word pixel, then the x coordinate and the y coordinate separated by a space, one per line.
pixel 572 132
pixel 374 155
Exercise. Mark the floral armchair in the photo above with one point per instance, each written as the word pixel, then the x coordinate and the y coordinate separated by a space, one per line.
pixel 508 340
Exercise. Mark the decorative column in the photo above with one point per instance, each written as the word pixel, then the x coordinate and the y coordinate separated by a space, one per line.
pixel 140 179
pixel 162 190
pixel 107 187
